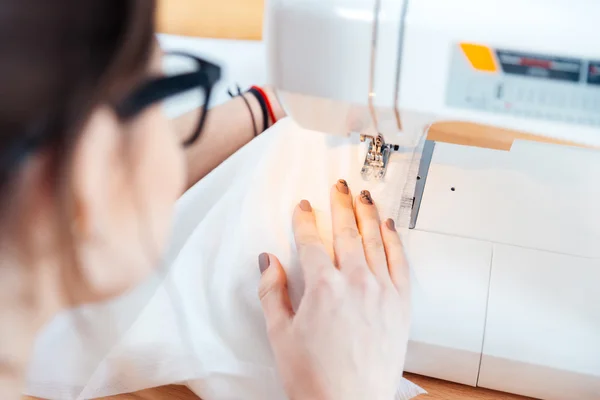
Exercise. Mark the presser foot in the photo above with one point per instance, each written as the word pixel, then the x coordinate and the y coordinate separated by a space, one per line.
pixel 376 160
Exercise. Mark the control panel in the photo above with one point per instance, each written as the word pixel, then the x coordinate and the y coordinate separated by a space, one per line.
pixel 524 85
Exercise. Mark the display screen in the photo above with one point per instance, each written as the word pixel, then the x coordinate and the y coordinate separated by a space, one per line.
pixel 594 73
pixel 545 67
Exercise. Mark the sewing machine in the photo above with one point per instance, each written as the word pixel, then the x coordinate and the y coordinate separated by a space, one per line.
pixel 505 210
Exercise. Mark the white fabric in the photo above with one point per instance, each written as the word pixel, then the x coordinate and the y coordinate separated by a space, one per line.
pixel 200 322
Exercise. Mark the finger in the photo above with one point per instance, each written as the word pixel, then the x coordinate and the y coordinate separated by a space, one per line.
pixel 311 252
pixel 396 257
pixel 347 243
pixel 273 295
pixel 368 225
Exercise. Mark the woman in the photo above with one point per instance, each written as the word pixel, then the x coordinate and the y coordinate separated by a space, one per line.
pixel 90 168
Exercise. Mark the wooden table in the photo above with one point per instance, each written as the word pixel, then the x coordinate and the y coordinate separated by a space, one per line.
pixel 442 390
pixel 242 19
pixel 222 19
pixel 438 390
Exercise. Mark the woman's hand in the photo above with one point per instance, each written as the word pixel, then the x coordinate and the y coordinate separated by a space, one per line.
pixel 348 338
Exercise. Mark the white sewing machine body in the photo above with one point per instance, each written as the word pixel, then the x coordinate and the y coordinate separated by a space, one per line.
pixel 506 247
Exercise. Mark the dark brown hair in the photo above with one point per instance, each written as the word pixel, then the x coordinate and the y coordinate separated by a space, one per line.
pixel 59 59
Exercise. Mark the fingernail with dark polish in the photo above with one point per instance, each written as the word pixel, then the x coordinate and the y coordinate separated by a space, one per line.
pixel 342 186
pixel 391 224
pixel 366 198
pixel 263 262
pixel 305 205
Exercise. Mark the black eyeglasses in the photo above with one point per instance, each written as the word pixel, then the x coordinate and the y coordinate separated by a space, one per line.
pixel 188 81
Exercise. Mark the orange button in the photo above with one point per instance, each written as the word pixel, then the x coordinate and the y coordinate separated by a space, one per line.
pixel 480 57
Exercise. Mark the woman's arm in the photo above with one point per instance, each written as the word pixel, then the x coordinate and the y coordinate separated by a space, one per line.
pixel 228 127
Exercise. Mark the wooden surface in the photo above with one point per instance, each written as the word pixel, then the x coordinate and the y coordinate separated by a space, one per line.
pixel 438 390
pixel 489 137
pixel 224 19
pixel 442 390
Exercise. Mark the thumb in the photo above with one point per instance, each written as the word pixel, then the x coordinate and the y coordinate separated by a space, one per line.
pixel 273 295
